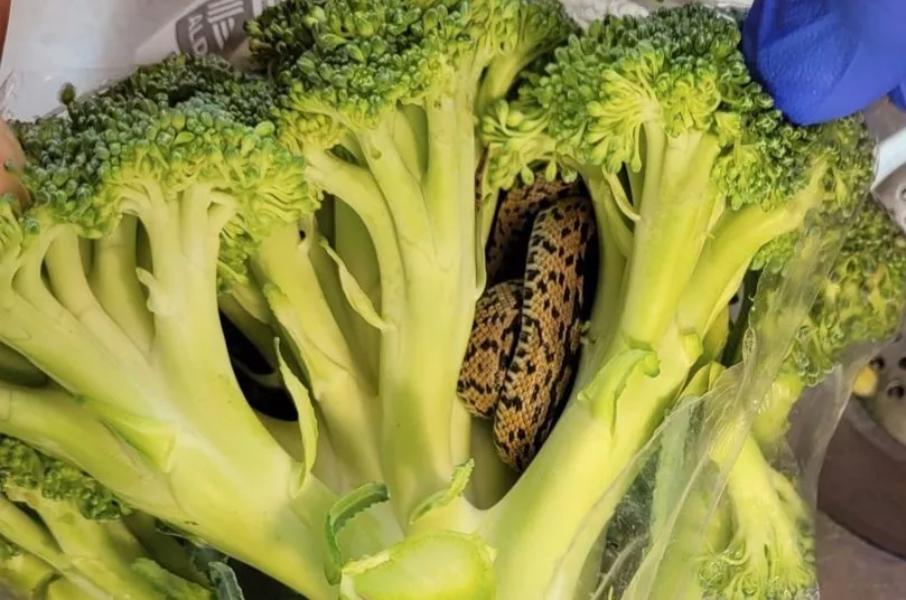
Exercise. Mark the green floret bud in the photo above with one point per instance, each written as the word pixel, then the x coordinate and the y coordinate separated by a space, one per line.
pixel 863 299
pixel 358 59
pixel 525 41
pixel 24 468
pixel 179 78
pixel 20 465
pixel 605 85
pixel 540 26
pixel 347 63
pixel 94 501
pixel 89 171
pixel 860 301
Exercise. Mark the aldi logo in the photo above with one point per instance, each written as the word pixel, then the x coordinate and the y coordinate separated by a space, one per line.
pixel 216 26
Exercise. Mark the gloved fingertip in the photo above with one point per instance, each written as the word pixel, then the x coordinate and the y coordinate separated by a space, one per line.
pixel 898 96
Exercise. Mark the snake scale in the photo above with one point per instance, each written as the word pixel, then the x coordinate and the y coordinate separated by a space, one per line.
pixel 522 353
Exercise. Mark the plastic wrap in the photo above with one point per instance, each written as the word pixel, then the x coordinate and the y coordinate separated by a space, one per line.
pixel 673 526
pixel 671 497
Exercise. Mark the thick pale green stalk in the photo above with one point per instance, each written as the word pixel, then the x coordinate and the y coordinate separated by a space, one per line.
pixel 430 318
pixel 52 421
pixel 164 549
pixel 342 390
pixel 537 525
pixel 354 246
pixel 253 497
pixel 41 328
pixel 356 188
pixel 612 263
pixel 676 206
pixel 735 240
pixel 26 533
pixel 112 278
pixel 15 368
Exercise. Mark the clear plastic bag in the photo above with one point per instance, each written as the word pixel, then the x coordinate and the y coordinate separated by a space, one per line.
pixel 685 522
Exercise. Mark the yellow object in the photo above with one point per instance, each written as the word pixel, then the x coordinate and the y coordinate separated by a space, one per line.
pixel 866 383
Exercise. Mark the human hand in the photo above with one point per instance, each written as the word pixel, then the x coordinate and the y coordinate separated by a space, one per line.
pixel 825 59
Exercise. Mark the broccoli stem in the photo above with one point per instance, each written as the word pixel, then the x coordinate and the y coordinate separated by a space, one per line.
pixel 736 239
pixel 502 73
pixel 163 549
pixel 357 189
pixel 257 512
pixel 30 413
pixel 410 137
pixel 768 555
pixel 354 246
pixel 16 368
pixel 163 404
pixel 676 206
pixel 592 454
pixel 429 307
pixel 63 589
pixel 771 422
pixel 113 282
pixel 343 392
pixel 612 264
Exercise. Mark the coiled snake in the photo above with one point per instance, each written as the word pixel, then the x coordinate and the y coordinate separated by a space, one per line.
pixel 521 356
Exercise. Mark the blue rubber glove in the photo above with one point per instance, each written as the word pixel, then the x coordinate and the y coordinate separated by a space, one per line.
pixel 825 59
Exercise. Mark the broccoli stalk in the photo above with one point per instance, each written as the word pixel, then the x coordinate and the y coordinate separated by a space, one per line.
pixel 694 177
pixel 343 389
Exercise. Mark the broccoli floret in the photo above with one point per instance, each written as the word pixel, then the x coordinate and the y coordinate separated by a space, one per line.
pixel 861 301
pixel 693 174
pixel 142 209
pixel 56 513
pixel 381 98
pixel 770 553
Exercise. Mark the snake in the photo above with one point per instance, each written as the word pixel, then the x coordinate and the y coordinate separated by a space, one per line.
pixel 526 334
